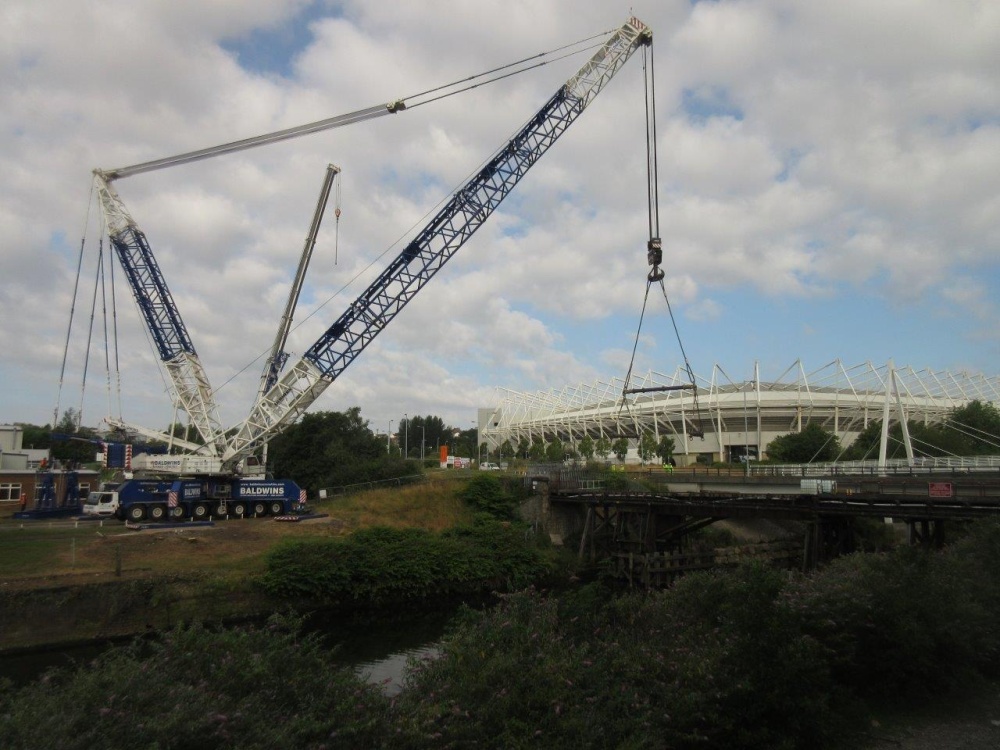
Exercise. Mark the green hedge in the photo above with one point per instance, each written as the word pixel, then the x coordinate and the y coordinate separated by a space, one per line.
pixel 381 565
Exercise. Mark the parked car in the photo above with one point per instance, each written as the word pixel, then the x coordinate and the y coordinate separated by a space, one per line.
pixel 487 466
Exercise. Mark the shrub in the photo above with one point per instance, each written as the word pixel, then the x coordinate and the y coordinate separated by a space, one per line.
pixel 382 565
pixel 194 688
pixel 489 494
pixel 719 662
pixel 910 622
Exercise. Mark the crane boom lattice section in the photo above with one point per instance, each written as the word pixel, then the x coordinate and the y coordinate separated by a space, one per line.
pixel 434 246
pixel 193 391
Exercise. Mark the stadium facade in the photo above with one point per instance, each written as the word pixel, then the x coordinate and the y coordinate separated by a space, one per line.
pixel 735 418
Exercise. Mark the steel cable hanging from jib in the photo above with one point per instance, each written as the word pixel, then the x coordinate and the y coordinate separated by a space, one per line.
pixel 654 255
pixel 398 105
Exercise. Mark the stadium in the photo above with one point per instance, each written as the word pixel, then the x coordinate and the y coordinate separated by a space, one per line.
pixel 736 419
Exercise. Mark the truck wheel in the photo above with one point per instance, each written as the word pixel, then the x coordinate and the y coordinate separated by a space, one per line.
pixel 220 510
pixel 259 509
pixel 136 513
pixel 200 511
pixel 277 508
pixel 239 509
pixel 158 512
pixel 177 513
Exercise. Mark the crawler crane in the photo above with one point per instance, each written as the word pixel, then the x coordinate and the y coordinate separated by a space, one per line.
pixel 283 397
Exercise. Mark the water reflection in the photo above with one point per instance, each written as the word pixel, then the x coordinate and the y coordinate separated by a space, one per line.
pixel 390 672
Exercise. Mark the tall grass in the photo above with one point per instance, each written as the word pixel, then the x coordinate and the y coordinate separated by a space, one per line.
pixel 430 506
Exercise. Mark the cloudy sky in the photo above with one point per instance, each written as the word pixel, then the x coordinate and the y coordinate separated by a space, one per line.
pixel 829 179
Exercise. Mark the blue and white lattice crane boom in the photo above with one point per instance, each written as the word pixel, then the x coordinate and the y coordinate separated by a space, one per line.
pixel 423 257
pixel 192 390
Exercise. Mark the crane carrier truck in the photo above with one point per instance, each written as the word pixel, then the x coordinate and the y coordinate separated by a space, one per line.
pixel 198 499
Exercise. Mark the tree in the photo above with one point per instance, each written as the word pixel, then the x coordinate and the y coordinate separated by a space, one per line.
pixel 603 448
pixel 69 423
pixel 979 423
pixel 665 448
pixel 75 451
pixel 620 448
pixel 537 450
pixel 586 447
pixel 970 430
pixel 554 451
pixel 33 436
pixel 523 447
pixel 332 448
pixel 430 429
pixel 813 443
pixel 647 447
pixel 506 450
pixel 185 432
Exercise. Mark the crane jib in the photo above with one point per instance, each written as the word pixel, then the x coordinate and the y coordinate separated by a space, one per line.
pixel 420 260
pixel 435 245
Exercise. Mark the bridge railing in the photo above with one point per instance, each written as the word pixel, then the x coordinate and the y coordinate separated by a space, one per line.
pixel 892 467
pixel 350 489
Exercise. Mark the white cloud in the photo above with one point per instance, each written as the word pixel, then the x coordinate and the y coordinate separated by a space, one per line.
pixel 840 151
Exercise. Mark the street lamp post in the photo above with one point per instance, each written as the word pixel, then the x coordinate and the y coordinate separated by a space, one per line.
pixel 422 434
pixel 479 453
pixel 388 440
pixel 406 438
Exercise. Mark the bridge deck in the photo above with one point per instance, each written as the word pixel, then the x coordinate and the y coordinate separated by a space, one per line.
pixel 905 498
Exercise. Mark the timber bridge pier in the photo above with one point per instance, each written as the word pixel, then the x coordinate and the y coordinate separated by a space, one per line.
pixel 642 522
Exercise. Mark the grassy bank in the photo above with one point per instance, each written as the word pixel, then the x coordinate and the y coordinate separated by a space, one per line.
pixel 65 581
pixel 751 659
pixel 37 553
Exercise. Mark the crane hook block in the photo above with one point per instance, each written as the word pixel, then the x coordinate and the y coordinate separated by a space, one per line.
pixel 397 106
pixel 654 255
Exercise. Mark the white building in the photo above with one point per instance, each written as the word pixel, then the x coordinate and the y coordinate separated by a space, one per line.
pixel 736 417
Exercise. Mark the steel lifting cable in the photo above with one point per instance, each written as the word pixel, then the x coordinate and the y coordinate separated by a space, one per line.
pixel 336 215
pixel 72 307
pixel 114 328
pixel 104 321
pixel 90 331
pixel 349 118
pixel 654 250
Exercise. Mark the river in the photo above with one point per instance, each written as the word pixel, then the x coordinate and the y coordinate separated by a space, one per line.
pixel 377 646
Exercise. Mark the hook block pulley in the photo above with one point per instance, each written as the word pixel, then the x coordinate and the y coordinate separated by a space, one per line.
pixel 654 255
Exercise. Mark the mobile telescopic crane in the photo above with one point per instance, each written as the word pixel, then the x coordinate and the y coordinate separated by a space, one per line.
pixel 280 402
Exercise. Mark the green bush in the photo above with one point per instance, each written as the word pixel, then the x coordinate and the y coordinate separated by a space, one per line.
pixel 382 565
pixel 717 663
pixel 489 494
pixel 194 688
pixel 751 658
pixel 907 623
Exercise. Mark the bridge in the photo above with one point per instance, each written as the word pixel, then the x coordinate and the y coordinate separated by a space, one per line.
pixel 642 522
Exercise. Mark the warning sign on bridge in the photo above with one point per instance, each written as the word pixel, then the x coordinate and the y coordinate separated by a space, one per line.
pixel 939 489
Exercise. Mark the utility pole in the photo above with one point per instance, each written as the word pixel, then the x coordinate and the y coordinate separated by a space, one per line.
pixel 422 434
pixel 388 440
pixel 406 438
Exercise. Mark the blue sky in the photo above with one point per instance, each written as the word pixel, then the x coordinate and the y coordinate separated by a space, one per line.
pixel 828 181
